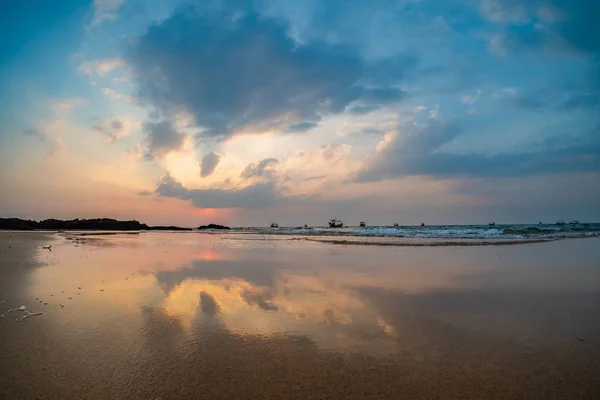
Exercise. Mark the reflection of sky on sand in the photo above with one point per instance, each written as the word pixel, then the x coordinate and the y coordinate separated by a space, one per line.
pixel 360 299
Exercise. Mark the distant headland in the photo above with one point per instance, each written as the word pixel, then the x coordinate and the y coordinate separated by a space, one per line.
pixel 108 224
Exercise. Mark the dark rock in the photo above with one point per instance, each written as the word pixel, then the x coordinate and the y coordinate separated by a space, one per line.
pixel 169 228
pixel 212 226
pixel 107 224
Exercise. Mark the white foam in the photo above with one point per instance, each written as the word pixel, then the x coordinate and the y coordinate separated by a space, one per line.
pixel 22 308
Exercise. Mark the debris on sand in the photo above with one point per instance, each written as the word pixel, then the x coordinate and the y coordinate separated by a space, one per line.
pixel 22 308
pixel 581 339
pixel 28 314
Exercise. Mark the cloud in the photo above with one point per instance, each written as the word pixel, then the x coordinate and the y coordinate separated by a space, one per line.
pixel 115 128
pixel 335 151
pixel 209 163
pixel 100 67
pixel 417 150
pixel 470 100
pixel 565 25
pixel 105 10
pixel 118 96
pixel 145 193
pixel 362 110
pixel 560 97
pixel 260 194
pixel 65 105
pixel 54 145
pixel 302 127
pixel 161 138
pixel 240 71
pixel 505 10
pixel 258 169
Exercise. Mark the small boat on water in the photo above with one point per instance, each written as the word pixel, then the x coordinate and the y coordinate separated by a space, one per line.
pixel 574 222
pixel 422 224
pixel 561 222
pixel 395 224
pixel 492 224
pixel 335 223
pixel 274 225
pixel 362 224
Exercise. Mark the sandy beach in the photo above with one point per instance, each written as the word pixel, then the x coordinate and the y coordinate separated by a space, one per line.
pixel 187 315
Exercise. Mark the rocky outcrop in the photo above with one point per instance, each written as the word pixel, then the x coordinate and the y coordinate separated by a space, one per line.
pixel 212 226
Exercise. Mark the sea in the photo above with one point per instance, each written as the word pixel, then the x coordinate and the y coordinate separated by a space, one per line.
pixel 500 232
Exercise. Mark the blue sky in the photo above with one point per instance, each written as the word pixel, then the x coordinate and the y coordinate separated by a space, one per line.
pixel 244 112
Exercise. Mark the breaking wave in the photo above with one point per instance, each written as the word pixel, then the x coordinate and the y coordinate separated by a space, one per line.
pixel 480 232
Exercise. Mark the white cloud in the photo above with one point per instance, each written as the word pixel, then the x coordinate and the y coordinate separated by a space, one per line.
pixel 65 105
pixel 433 113
pixel 470 100
pixel 501 11
pixel 418 109
pixel 116 95
pixel 498 46
pixel 510 90
pixel 100 67
pixel 105 10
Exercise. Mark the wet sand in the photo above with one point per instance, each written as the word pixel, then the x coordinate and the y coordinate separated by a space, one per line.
pixel 184 316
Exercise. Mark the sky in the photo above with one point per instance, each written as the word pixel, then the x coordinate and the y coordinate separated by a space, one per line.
pixel 242 112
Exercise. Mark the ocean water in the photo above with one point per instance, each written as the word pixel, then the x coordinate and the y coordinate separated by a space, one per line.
pixel 479 232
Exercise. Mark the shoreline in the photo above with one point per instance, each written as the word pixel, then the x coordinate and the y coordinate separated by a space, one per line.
pixel 196 313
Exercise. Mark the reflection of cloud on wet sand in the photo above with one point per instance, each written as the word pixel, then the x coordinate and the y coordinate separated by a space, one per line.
pixel 259 298
pixel 260 273
pixel 208 305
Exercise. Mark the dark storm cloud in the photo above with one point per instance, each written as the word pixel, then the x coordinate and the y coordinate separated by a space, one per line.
pixel 547 23
pixel 256 195
pixel 161 138
pixel 258 169
pixel 209 163
pixel 416 151
pixel 235 70
pixel 302 127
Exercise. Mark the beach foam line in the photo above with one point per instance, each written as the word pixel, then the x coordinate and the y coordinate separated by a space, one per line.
pixel 426 244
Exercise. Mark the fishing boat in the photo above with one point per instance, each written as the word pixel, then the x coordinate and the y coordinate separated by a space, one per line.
pixel 395 224
pixel 492 224
pixel 362 224
pixel 574 222
pixel 561 222
pixel 422 224
pixel 274 225
pixel 335 223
